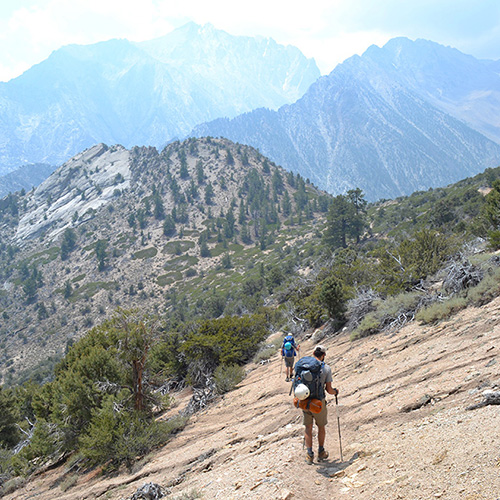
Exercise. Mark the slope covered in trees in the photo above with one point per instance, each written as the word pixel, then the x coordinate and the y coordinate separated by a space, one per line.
pixel 218 248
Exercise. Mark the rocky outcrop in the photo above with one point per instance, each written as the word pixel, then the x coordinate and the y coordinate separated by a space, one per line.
pixel 73 193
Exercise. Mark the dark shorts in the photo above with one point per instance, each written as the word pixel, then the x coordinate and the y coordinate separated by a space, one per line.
pixel 289 362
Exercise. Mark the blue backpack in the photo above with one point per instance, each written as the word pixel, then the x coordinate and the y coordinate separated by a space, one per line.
pixel 288 350
pixel 308 372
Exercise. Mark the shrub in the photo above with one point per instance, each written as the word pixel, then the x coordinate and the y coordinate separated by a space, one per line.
pixel 188 495
pixel 46 441
pixel 369 325
pixel 147 253
pixel 313 309
pixel 5 465
pixel 393 311
pixel 227 340
pixel 494 239
pixel 69 482
pixel 440 310
pixel 117 437
pixel 486 290
pixel 12 485
pixel 265 353
pixel 333 297
pixel 227 377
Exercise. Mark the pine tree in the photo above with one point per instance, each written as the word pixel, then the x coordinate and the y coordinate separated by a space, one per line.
pixel 159 209
pixel 209 193
pixel 101 254
pixel 229 157
pixel 184 173
pixel 169 226
pixel 68 243
pixel 200 174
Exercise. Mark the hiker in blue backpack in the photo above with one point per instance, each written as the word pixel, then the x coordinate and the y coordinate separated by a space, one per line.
pixel 325 384
pixel 288 352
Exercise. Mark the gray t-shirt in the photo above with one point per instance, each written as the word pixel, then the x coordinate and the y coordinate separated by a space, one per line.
pixel 326 374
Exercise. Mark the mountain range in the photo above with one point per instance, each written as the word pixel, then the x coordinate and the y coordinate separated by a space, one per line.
pixel 401 118
pixel 147 93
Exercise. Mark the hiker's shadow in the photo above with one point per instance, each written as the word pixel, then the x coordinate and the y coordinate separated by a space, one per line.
pixel 329 468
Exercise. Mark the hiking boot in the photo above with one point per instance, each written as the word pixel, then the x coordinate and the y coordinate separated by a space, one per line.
pixel 309 459
pixel 322 455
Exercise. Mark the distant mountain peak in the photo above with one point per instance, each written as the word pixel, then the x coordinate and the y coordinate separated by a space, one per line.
pixel 400 118
pixel 143 93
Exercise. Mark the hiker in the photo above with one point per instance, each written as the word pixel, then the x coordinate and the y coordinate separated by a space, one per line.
pixel 288 352
pixel 325 381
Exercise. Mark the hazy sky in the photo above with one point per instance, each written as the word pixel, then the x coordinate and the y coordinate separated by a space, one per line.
pixel 328 30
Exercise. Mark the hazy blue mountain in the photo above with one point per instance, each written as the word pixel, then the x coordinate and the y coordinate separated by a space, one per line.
pixel 25 177
pixel 375 125
pixel 465 87
pixel 146 93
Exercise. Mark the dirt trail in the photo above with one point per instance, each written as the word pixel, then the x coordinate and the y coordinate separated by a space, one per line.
pixel 405 431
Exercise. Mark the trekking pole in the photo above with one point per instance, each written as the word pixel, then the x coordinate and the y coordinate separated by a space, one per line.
pixel 338 425
pixel 281 365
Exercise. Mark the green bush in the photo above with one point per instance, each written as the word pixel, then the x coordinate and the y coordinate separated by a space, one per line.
pixel 69 482
pixel 46 441
pixel 225 341
pixel 487 289
pixel 263 354
pixel 12 485
pixel 147 253
pixel 440 310
pixel 190 272
pixel 333 297
pixel 228 377
pixel 313 309
pixel 5 464
pixel 369 325
pixel 494 239
pixel 117 437
pixel 388 311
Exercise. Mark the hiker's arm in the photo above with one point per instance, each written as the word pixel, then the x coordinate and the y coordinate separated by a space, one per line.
pixel 331 390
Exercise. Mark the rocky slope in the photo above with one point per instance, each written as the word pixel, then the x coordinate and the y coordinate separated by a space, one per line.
pixel 148 93
pixel 119 200
pixel 405 429
pixel 389 122
pixel 457 83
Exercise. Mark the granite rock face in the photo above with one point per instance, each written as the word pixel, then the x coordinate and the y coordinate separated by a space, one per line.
pixel 76 190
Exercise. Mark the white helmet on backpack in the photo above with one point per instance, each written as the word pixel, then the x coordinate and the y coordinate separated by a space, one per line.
pixel 302 392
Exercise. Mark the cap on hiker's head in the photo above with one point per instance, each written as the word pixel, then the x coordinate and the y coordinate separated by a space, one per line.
pixel 319 349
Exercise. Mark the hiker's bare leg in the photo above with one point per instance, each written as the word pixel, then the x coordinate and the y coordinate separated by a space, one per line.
pixel 309 435
pixel 321 435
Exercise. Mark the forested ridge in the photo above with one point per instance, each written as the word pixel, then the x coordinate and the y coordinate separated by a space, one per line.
pixel 262 251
